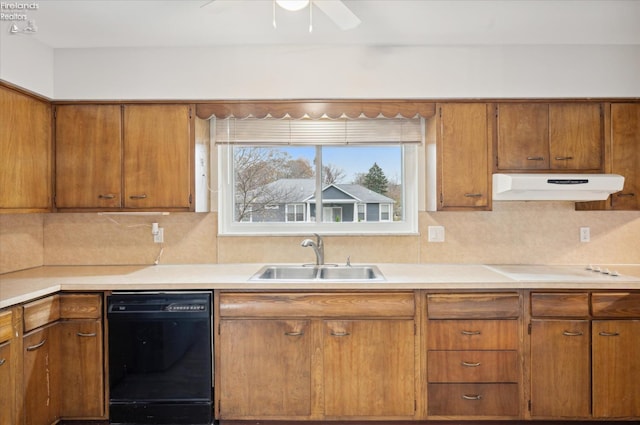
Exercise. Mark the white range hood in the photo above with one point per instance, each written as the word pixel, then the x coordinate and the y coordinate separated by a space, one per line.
pixel 555 187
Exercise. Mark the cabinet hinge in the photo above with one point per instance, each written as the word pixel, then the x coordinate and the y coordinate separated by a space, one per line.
pixel 440 111
pixel 415 329
pixel 529 329
pixel 55 112
pixel 190 199
pixel 415 405
pixel 218 329
pixel 190 116
pixel 529 405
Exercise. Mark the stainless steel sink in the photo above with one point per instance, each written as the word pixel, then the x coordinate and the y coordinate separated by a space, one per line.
pixel 318 273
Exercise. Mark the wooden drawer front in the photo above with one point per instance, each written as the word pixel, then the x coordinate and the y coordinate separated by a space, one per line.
pixel 619 304
pixel 473 366
pixel 318 305
pixel 6 330
pixel 560 304
pixel 473 306
pixel 41 312
pixel 473 400
pixel 472 335
pixel 80 306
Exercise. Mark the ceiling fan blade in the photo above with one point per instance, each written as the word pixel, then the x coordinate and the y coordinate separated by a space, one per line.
pixel 339 13
pixel 207 3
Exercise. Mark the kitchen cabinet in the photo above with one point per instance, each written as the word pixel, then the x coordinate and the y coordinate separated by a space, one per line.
pixel 625 154
pixel 316 356
pixel 8 368
pixel 81 356
pixel 549 136
pixel 124 157
pixel 560 355
pixel 25 153
pixel 463 150
pixel 474 355
pixel 616 364
pixel 41 376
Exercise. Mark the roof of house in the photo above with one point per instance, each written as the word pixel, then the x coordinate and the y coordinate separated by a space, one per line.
pixel 303 190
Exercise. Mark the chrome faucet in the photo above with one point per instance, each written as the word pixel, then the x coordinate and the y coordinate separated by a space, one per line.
pixel 318 248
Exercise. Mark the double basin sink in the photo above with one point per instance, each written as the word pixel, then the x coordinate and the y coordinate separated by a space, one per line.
pixel 318 273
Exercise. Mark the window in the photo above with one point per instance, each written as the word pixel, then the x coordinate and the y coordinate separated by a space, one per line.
pixel 277 180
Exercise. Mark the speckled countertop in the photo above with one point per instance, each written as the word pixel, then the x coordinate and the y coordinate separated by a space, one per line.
pixel 21 286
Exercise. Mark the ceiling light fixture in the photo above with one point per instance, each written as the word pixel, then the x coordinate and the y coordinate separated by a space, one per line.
pixel 294 6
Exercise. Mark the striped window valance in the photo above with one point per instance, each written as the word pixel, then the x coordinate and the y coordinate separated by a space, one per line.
pixel 342 131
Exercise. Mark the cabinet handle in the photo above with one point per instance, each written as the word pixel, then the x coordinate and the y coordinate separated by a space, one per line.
pixel 471 397
pixel 609 334
pixel 143 196
pixel 469 364
pixel 625 194
pixel 106 196
pixel 333 333
pixel 535 158
pixel 298 333
pixel 570 333
pixel 82 334
pixel 563 158
pixel 470 332
pixel 38 345
pixel 473 195
pixel 2 361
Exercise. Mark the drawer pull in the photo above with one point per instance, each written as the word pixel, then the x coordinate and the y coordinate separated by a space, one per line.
pixel 563 158
pixel 620 195
pixel 470 332
pixel 471 397
pixel 535 158
pixel 469 364
pixel 298 333
pixel 333 333
pixel 570 333
pixel 2 361
pixel 143 196
pixel 106 196
pixel 473 195
pixel 609 334
pixel 86 335
pixel 38 345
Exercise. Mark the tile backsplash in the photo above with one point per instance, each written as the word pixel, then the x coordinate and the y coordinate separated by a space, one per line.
pixel 514 232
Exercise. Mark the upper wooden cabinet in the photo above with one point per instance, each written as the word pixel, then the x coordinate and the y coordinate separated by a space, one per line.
pixel 549 136
pixel 625 154
pixel 25 153
pixel 462 143
pixel 124 157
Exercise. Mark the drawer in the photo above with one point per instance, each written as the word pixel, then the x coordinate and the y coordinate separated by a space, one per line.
pixel 618 304
pixel 472 335
pixel 394 304
pixel 80 306
pixel 39 313
pixel 473 366
pixel 473 400
pixel 473 306
pixel 6 328
pixel 558 304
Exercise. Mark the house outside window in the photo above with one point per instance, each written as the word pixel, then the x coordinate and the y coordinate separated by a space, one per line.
pixel 275 176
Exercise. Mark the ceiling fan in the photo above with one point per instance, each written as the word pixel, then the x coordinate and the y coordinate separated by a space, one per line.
pixel 336 10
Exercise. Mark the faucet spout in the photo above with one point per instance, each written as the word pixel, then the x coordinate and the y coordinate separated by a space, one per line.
pixel 318 248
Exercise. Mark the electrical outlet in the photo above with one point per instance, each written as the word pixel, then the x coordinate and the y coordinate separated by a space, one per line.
pixel 585 234
pixel 435 234
pixel 158 237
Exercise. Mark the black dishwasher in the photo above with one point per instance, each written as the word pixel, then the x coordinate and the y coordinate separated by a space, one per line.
pixel 160 362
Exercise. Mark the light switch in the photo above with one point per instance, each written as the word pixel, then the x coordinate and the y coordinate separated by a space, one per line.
pixel 436 234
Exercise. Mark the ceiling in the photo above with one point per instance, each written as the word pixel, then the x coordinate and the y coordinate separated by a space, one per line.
pixel 150 23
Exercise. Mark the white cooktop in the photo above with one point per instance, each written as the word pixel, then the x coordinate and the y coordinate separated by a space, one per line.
pixel 525 272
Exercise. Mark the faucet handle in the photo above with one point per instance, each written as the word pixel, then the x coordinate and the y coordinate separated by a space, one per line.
pixel 348 261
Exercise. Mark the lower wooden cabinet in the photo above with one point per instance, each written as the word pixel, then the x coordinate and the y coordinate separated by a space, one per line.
pixel 41 377
pixel 316 356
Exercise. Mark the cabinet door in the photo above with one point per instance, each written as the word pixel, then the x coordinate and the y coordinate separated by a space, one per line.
pixel 523 136
pixel 81 364
pixel 157 156
pixel 41 383
pixel 265 369
pixel 625 154
pixel 560 371
pixel 616 368
pixel 369 368
pixel 7 385
pixel 576 136
pixel 25 152
pixel 463 146
pixel 88 156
